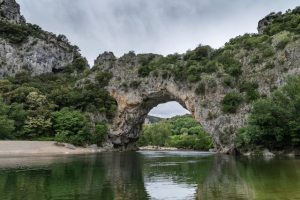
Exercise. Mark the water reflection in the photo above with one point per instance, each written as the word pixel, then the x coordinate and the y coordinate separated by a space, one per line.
pixel 148 175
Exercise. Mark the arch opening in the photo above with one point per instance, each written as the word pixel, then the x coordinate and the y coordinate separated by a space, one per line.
pixel 170 125
pixel 133 109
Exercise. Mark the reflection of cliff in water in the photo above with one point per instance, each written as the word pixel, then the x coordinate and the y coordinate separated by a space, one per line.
pixel 124 172
pixel 102 177
pixel 224 181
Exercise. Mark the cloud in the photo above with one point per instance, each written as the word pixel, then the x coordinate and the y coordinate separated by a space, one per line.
pixel 157 26
pixel 167 110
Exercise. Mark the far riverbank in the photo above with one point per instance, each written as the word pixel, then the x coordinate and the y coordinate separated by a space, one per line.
pixel 23 148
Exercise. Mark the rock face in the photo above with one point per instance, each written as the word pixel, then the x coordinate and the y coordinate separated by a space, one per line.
pixel 10 11
pixel 263 23
pixel 38 52
pixel 136 96
pixel 36 55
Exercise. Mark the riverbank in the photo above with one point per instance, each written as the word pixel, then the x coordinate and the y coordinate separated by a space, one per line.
pixel 23 148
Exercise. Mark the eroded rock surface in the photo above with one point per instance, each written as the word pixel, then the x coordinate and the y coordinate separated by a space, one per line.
pixel 25 47
pixel 136 95
pixel 10 11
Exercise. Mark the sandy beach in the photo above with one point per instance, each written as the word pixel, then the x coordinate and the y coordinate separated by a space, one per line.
pixel 19 148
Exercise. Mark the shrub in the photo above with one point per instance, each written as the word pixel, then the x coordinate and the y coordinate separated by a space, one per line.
pixel 268 52
pixel 250 89
pixel 134 84
pixel 100 133
pixel 144 71
pixel 231 102
pixel 6 125
pixel 269 65
pixel 211 66
pixel 200 53
pixel 228 81
pixel 282 44
pixel 200 90
pixel 231 66
pixel 71 126
pixel 193 78
pixel 80 63
pixel 274 122
pixel 103 78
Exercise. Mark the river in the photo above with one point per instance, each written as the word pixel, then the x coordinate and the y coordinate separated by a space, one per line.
pixel 149 175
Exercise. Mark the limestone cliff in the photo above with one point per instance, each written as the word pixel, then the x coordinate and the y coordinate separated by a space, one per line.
pixel 203 81
pixel 26 47
pixel 265 61
pixel 10 11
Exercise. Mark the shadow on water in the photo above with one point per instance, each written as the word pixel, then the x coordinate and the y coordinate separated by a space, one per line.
pixel 148 175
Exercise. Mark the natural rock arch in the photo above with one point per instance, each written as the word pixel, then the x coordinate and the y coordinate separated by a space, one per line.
pixel 136 96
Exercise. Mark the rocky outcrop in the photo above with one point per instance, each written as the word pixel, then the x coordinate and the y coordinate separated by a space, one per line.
pixel 35 55
pixel 136 95
pixel 10 11
pixel 25 47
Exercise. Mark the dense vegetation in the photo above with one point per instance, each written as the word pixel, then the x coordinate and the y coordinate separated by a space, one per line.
pixel 181 132
pixel 55 106
pixel 19 33
pixel 274 122
pixel 201 66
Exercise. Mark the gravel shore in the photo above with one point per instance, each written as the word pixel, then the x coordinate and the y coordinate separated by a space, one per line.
pixel 19 148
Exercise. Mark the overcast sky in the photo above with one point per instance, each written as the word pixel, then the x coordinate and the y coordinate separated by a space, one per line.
pixel 156 26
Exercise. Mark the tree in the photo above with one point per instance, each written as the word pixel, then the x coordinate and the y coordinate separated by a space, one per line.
pixel 6 124
pixel 38 121
pixel 73 127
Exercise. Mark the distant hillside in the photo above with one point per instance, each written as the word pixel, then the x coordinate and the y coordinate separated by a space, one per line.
pixel 152 119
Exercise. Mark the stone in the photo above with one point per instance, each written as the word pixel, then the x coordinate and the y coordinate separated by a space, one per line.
pixel 70 146
pixel 265 22
pixel 93 146
pixel 10 11
pixel 134 103
pixel 45 53
pixel 59 144
pixel 267 153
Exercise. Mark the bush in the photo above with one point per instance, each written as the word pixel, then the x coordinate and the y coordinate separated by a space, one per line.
pixel 134 84
pixel 181 132
pixel 100 133
pixel 274 122
pixel 250 89
pixel 282 44
pixel 6 125
pixel 80 64
pixel 196 142
pixel 198 54
pixel 231 66
pixel 200 90
pixel 71 126
pixel 228 81
pixel 103 78
pixel 144 71
pixel 231 102
pixel 268 52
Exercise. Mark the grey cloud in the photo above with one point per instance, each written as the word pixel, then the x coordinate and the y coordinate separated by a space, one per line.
pixel 158 26
pixel 167 110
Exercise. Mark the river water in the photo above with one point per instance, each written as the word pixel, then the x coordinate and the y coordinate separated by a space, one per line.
pixel 149 175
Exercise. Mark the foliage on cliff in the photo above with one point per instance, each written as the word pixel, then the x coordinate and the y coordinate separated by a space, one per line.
pixel 181 132
pixel 274 122
pixel 202 66
pixel 55 106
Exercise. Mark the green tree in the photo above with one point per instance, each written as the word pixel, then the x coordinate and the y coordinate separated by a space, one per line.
pixel 6 124
pixel 72 126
